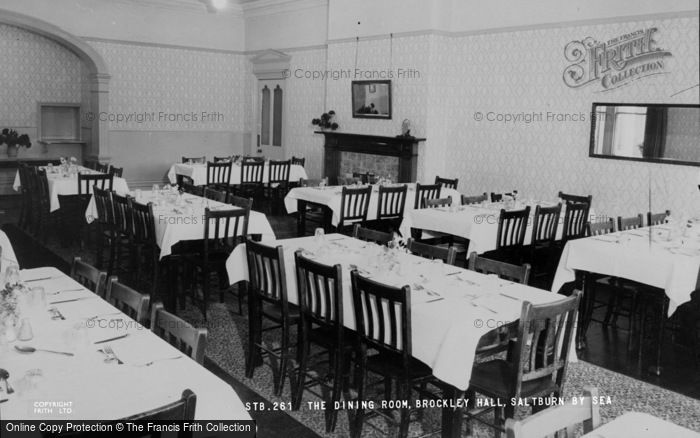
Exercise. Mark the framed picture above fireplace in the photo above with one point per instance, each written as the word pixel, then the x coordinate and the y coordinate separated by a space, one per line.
pixel 371 99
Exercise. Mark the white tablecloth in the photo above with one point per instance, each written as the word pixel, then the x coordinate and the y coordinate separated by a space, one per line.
pixel 186 222
pixel 198 173
pixel 670 265
pixel 478 223
pixel 59 185
pixel 99 390
pixel 8 254
pixel 330 196
pixel 445 332
pixel 640 425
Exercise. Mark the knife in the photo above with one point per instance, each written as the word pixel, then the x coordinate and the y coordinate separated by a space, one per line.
pixel 112 339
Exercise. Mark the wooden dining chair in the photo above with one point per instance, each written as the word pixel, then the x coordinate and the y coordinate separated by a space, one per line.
pixel 390 207
pixel 218 175
pixel 116 172
pixel 630 223
pixel 215 195
pixel 277 185
pixel 354 207
pixel 496 197
pixel 192 189
pixel 87 181
pixel 575 199
pixel 516 273
pixel 267 300
pixel 657 218
pixel 105 227
pixel 510 238
pixel 227 159
pixel 447 183
pixel 569 416
pixel 190 340
pixel 600 228
pixel 542 254
pixel 25 216
pixel 476 199
pixel 383 325
pixel 537 366
pixel 45 220
pixel 194 160
pixel 447 254
pixel 438 203
pixel 102 167
pixel 251 183
pixel 575 220
pixel 180 410
pixel 144 245
pixel 223 231
pixel 89 276
pixel 424 192
pixel 127 300
pixel 369 235
pixel 239 201
pixel 298 161
pixel 320 293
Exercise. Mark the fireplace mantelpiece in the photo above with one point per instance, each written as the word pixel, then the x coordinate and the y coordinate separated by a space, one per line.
pixel 405 148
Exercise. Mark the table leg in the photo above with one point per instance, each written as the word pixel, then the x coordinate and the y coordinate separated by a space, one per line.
pixel 327 219
pixel 656 369
pixel 583 321
pixel 301 217
pixel 451 417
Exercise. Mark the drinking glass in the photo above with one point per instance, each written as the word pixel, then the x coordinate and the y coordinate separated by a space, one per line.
pixel 319 236
pixel 12 274
pixel 155 189
pixel 322 183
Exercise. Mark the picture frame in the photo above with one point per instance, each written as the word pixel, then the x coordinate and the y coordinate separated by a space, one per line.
pixel 371 99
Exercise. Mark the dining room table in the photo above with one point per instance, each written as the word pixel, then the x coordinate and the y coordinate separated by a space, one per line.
pixel 62 182
pixel 665 256
pixel 180 217
pixel 451 307
pixel 640 425
pixel 476 222
pixel 7 254
pixel 197 172
pixel 84 359
pixel 329 198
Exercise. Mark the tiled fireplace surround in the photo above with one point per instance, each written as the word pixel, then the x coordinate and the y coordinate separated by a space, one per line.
pixel 379 165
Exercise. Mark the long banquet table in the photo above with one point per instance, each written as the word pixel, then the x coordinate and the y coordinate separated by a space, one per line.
pixel 95 389
pixel 67 184
pixel 477 222
pixel 175 223
pixel 198 173
pixel 452 308
pixel 8 254
pixel 640 425
pixel 330 198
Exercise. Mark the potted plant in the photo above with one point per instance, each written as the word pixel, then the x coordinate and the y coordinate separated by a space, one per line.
pixel 326 121
pixel 14 140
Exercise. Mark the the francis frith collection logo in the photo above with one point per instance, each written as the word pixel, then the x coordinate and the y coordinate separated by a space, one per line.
pixel 616 62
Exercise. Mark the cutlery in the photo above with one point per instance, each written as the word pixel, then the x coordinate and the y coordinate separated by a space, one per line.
pixel 71 300
pixel 27 349
pixel 436 299
pixel 604 240
pixel 112 339
pixel 148 364
pixel 39 279
pixel 111 355
pixel 66 290
pixel 509 296
pixel 454 273
pixel 482 307
pixel 4 400
pixel 56 314
pixel 103 314
pixel 4 377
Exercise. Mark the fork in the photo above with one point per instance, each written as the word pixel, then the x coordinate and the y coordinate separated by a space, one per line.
pixel 111 355
pixel 148 364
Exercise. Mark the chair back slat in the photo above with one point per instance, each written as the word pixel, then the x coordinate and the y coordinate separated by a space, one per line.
pixel 392 202
pixel 354 204
pixel 128 300
pixel 512 226
pixel 447 182
pixel 103 203
pixel 575 219
pixel 544 336
pixel 143 222
pixel 252 172
pixel 266 272
pixel 279 172
pixel 188 339
pixel 89 276
pixel 545 224
pixel 218 173
pixel 224 229
pixel 382 315
pixel 122 214
pixel 426 191
pixel 87 181
pixel 506 271
pixel 477 199
pixel 447 255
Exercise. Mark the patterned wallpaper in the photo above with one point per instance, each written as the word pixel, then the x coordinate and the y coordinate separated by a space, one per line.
pixel 38 70
pixel 521 73
pixel 680 142
pixel 163 88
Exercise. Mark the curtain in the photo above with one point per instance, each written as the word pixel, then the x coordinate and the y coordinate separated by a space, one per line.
pixel 655 132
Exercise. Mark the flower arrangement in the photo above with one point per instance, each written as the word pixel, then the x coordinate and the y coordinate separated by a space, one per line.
pixel 9 297
pixel 12 138
pixel 326 121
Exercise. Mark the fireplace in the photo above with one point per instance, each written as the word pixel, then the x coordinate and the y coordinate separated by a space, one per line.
pixel 395 157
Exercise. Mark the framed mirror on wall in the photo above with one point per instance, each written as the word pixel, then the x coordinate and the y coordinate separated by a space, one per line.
pixel 660 133
pixel 371 99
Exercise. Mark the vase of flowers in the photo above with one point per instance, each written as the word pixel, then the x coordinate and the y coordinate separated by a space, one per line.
pixel 14 141
pixel 326 121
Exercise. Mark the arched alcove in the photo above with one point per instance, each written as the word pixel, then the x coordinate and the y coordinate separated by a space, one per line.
pixel 98 77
